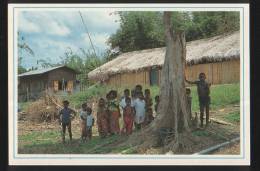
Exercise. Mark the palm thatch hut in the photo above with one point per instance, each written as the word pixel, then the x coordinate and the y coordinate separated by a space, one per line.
pixel 218 57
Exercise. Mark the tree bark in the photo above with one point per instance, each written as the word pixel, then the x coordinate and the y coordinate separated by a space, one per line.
pixel 172 108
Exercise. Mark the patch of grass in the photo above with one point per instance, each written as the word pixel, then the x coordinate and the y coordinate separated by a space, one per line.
pixel 49 142
pixel 23 105
pixel 221 95
pixel 201 133
pixel 94 91
pixel 233 117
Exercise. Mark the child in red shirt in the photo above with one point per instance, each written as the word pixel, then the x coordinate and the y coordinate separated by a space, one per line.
pixel 128 116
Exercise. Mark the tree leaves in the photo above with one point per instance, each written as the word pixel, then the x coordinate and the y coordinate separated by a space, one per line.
pixel 143 30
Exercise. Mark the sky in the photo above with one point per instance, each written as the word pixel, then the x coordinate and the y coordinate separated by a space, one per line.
pixel 50 33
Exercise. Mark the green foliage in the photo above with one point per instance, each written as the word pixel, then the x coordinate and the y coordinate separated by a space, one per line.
pixel 201 133
pixel 84 62
pixel 23 49
pixel 221 95
pixel 233 116
pixel 138 30
pixel 93 91
pixel 21 69
pixel 23 105
pixel 143 30
pixel 47 142
pixel 207 24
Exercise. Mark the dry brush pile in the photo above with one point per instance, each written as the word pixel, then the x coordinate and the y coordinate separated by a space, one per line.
pixel 45 109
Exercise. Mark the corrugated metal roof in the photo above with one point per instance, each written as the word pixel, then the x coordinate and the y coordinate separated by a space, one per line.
pixel 42 71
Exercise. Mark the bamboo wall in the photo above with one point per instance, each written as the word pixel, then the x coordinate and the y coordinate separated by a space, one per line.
pixel 129 79
pixel 217 73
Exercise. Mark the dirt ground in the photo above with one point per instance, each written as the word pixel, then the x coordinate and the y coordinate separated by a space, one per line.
pixel 214 134
pixel 233 149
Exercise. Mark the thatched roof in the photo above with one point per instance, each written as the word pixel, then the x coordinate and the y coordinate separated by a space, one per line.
pixel 214 49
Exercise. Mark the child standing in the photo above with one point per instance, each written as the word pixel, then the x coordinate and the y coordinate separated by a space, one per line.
pixel 65 116
pixel 102 118
pixel 148 107
pixel 139 105
pixel 83 116
pixel 128 116
pixel 122 103
pixel 113 108
pixel 89 122
pixel 203 89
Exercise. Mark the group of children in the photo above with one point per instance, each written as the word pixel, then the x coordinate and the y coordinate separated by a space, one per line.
pixel 137 111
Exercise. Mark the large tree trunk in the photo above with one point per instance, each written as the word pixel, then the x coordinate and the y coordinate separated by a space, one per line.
pixel 172 108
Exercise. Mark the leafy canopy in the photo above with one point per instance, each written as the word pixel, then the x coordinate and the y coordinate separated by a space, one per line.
pixel 143 30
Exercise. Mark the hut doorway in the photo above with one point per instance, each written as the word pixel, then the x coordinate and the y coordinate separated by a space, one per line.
pixel 154 76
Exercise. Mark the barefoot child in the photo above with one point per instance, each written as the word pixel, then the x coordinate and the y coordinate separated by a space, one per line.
pixel 122 103
pixel 102 118
pixel 83 117
pixel 128 116
pixel 113 108
pixel 139 105
pixel 203 89
pixel 89 122
pixel 65 116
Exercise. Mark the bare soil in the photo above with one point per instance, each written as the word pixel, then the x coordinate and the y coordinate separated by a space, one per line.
pixel 233 149
pixel 204 138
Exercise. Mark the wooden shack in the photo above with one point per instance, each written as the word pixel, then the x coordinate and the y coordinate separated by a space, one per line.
pixel 218 57
pixel 32 84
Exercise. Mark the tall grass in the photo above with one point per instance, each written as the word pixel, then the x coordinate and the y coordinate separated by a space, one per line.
pixel 221 95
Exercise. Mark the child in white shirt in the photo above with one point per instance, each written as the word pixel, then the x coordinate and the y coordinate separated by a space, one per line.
pixel 139 105
pixel 89 122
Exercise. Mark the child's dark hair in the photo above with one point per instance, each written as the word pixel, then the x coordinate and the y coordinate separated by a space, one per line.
pixel 113 93
pixel 84 105
pixel 101 99
pixel 89 110
pixel 138 86
pixel 126 91
pixel 66 102
pixel 147 91
pixel 202 74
